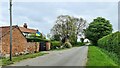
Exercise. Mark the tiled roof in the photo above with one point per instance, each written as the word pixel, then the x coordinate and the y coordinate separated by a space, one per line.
pixel 6 29
pixel 27 30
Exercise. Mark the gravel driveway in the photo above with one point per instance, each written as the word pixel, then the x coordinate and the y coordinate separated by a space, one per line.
pixel 76 56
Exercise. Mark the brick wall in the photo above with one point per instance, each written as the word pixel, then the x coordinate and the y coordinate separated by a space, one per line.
pixel 19 43
pixel 33 47
pixel 48 45
pixel 0 43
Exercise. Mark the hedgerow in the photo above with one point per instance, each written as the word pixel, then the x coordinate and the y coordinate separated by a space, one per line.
pixel 55 44
pixel 111 43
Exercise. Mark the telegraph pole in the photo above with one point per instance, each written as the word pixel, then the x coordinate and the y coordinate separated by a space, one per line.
pixel 10 30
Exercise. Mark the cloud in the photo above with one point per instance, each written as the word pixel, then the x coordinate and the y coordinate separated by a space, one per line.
pixel 63 12
pixel 50 21
pixel 62 0
pixel 106 12
pixel 42 15
pixel 68 12
pixel 3 23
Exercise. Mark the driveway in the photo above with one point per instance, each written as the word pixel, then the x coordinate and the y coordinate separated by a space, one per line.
pixel 76 56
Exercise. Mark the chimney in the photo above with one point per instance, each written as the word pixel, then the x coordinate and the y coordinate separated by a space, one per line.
pixel 25 25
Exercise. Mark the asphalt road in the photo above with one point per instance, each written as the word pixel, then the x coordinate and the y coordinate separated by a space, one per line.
pixel 76 56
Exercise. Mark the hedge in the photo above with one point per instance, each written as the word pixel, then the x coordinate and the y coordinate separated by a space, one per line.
pixel 111 43
pixel 37 40
pixel 77 44
pixel 55 44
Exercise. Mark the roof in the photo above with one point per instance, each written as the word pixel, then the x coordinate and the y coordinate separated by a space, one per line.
pixel 27 30
pixel 6 29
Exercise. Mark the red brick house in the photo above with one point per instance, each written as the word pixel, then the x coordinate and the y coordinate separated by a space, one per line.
pixel 19 41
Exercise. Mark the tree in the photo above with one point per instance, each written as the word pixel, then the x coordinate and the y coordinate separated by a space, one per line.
pixel 97 29
pixel 56 37
pixel 68 27
pixel 82 40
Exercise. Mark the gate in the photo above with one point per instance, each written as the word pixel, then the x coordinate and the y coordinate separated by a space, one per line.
pixel 42 46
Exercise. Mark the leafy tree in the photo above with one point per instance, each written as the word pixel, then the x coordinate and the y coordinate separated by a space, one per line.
pixel 67 27
pixel 97 29
pixel 56 37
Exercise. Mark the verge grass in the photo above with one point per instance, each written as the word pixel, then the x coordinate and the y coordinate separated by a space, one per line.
pixel 6 61
pixel 98 58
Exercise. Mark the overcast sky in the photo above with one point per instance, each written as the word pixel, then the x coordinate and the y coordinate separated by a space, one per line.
pixel 42 15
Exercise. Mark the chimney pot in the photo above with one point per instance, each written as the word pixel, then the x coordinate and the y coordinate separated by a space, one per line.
pixel 25 25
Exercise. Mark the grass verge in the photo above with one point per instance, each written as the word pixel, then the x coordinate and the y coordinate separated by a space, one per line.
pixel 0 62
pixel 6 61
pixel 112 55
pixel 98 58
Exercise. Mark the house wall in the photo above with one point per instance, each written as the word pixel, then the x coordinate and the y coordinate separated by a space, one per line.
pixel 19 44
pixel 33 47
pixel 0 42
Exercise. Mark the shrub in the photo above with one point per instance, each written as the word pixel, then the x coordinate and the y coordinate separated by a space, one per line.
pixel 80 44
pixel 77 43
pixel 55 44
pixel 82 40
pixel 74 43
pixel 37 40
pixel 67 45
pixel 111 43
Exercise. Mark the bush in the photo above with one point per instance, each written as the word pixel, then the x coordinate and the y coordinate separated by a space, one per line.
pixel 78 44
pixel 55 44
pixel 67 45
pixel 74 43
pixel 82 40
pixel 37 40
pixel 111 43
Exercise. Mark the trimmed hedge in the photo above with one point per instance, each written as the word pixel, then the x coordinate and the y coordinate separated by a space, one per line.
pixel 55 44
pixel 111 43
pixel 78 44
pixel 37 40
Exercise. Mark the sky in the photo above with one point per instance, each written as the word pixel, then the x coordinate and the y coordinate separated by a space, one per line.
pixel 42 15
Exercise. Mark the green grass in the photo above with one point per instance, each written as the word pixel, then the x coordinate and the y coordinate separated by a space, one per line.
pixel 112 55
pixel 0 62
pixel 6 61
pixel 98 58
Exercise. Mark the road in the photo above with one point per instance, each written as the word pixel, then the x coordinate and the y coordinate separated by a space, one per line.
pixel 76 56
